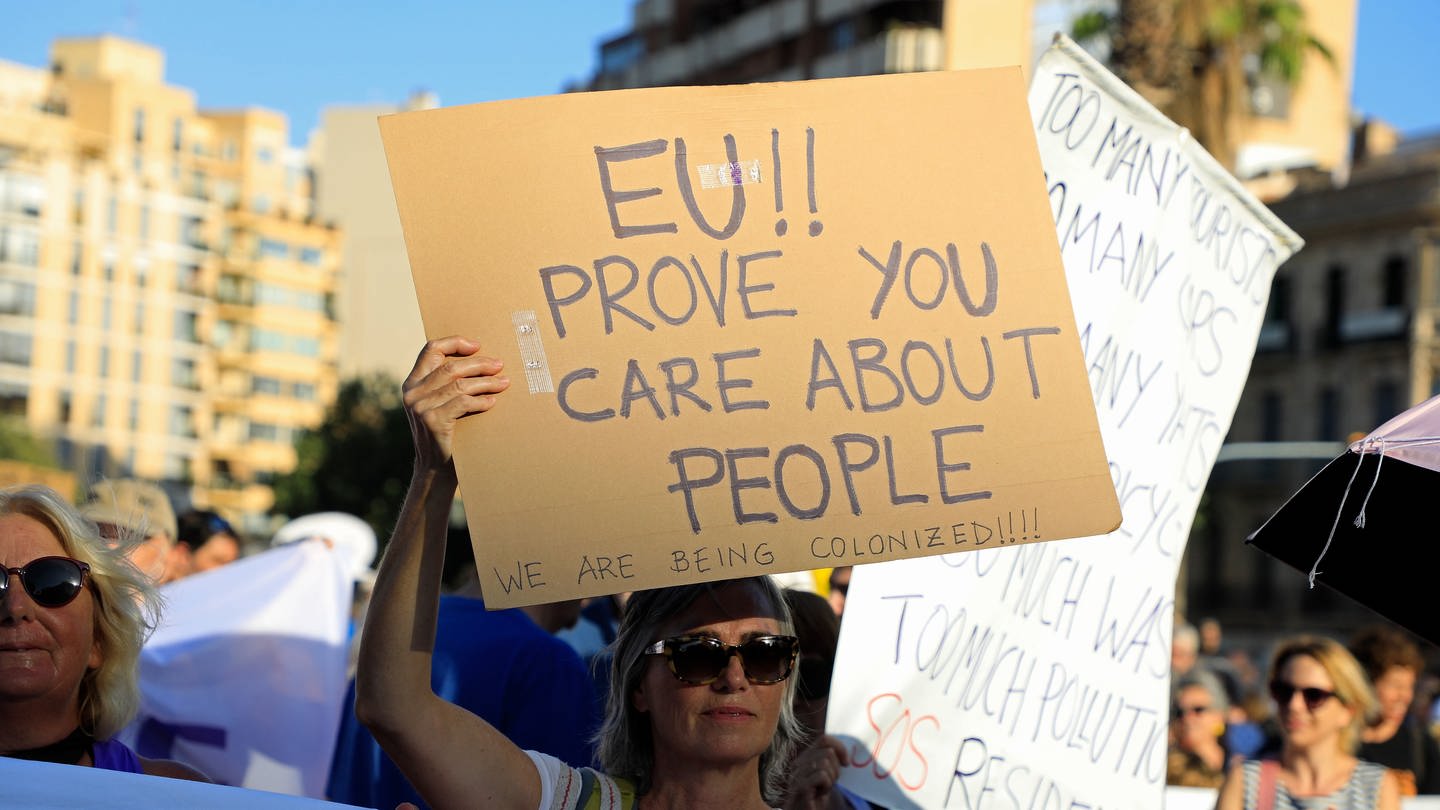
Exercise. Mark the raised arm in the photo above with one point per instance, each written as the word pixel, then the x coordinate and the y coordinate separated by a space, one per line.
pixel 452 757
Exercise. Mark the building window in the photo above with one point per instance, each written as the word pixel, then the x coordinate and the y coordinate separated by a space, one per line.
pixel 104 361
pixel 139 124
pixel 187 326
pixel 134 418
pixel 182 374
pixel 192 231
pixel 1387 401
pixel 136 366
pixel 311 256
pixel 272 249
pixel 17 297
pixel 182 422
pixel 1327 425
pixel 259 431
pixel 265 385
pixel 177 134
pixel 1396 278
pixel 227 150
pixel 76 254
pixel 20 246
pixel 97 416
pixel 265 155
pixel 15 348
pixel 1277 310
pixel 105 307
pixel 139 323
pixel 1272 406
pixel 1334 303
pixel 69 357
pixel 144 222
pixel 304 391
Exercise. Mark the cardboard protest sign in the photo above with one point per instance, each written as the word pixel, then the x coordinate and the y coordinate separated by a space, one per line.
pixel 752 329
pixel 1037 676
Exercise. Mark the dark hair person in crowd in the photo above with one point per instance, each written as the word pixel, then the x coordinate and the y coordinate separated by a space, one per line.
pixel 74 612
pixel 699 713
pixel 1322 702
pixel 205 541
pixel 1395 739
pixel 816 768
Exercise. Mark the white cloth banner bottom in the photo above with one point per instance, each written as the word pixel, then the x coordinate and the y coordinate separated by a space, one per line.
pixel 47 786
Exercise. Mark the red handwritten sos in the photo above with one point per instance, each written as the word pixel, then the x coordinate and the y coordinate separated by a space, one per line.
pixel 897 746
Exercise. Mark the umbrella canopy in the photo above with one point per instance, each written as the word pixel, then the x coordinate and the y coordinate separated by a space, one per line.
pixel 1363 524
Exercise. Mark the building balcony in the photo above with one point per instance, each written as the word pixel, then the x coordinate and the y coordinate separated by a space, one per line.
pixel 1382 324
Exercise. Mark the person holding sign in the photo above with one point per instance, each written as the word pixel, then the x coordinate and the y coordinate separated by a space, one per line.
pixel 1322 700
pixel 74 611
pixel 699 711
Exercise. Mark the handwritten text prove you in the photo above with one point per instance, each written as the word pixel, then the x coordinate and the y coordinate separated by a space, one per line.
pixel 647 292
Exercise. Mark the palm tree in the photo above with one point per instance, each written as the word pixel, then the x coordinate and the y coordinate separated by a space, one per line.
pixel 1195 59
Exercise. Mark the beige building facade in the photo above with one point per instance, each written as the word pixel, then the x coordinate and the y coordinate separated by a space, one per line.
pixel 165 291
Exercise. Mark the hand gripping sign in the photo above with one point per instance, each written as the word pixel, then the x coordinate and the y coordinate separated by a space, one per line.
pixel 752 329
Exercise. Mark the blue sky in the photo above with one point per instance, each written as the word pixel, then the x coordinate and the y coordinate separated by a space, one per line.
pixel 298 56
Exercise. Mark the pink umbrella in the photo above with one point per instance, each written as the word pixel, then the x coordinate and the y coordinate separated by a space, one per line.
pixel 1361 525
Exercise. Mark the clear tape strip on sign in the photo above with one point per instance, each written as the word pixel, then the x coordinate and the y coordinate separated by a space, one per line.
pixel 532 352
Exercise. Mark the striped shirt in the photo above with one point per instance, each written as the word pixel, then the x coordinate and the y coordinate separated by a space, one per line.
pixel 1361 792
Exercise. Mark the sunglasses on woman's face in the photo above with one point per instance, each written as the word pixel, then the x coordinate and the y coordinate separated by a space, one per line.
pixel 1181 711
pixel 1313 696
pixel 52 582
pixel 702 659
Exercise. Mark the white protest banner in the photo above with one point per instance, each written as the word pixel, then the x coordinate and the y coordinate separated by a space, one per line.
pixel 47 786
pixel 245 677
pixel 1036 676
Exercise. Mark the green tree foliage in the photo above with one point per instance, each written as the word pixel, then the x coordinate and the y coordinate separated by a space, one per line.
pixel 357 461
pixel 17 443
pixel 1196 59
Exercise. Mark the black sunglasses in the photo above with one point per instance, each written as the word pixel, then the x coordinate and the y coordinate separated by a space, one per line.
pixel 1313 696
pixel 51 581
pixel 702 659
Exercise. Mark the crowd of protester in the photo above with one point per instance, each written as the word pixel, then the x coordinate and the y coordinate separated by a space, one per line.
pixel 1336 719
pixel 525 706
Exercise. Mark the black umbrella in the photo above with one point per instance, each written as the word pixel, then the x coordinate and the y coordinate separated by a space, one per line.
pixel 1364 526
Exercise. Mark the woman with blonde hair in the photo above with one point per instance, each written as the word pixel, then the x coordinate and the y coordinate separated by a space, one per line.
pixel 700 710
pixel 1323 701
pixel 74 613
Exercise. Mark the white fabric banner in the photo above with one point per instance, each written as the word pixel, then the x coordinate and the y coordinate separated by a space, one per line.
pixel 245 676
pixel 47 786
pixel 1037 675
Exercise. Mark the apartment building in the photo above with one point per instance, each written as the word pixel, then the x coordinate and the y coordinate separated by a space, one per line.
pixel 1350 339
pixel 165 291
pixel 706 42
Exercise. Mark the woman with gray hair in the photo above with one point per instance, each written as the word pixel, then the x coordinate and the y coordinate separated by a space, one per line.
pixel 1198 757
pixel 699 712
pixel 74 612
